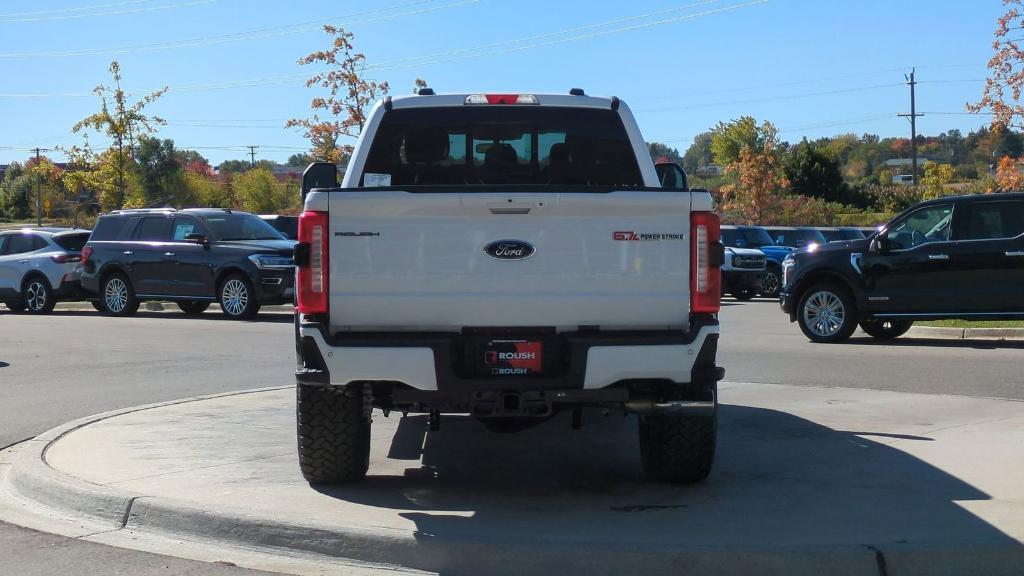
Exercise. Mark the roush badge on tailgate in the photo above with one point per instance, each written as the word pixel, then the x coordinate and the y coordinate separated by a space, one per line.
pixel 509 250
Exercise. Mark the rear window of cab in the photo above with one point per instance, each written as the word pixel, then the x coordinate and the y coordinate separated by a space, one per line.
pixel 501 145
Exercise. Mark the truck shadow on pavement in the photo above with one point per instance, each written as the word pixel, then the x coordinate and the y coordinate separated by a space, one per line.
pixel 780 482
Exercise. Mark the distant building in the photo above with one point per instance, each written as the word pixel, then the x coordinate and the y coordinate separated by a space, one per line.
pixel 708 171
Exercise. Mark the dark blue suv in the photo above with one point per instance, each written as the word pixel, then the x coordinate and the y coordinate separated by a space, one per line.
pixel 757 237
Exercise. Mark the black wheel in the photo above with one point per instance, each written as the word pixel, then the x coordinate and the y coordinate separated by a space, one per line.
pixel 678 449
pixel 333 432
pixel 193 307
pixel 118 296
pixel 38 296
pixel 98 305
pixel 771 283
pixel 827 313
pixel 886 329
pixel 743 294
pixel 15 305
pixel 237 299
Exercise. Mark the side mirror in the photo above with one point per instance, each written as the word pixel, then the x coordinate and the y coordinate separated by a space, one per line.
pixel 197 238
pixel 879 244
pixel 671 175
pixel 318 175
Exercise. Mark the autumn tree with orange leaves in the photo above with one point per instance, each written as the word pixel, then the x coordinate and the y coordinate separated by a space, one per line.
pixel 1005 84
pixel 347 102
pixel 751 155
pixel 1008 174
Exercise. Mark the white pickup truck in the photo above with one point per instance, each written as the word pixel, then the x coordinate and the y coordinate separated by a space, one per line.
pixel 509 257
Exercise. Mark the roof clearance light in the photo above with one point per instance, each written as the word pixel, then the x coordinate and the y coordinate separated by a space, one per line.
pixel 502 99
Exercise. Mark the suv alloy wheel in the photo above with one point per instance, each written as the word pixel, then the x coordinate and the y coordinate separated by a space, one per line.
pixel 237 299
pixel 827 313
pixel 38 296
pixel 118 296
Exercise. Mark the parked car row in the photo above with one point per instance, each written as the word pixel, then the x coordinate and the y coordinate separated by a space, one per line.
pixel 778 242
pixel 192 257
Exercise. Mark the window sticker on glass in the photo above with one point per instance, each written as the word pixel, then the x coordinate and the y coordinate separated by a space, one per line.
pixel 371 180
pixel 182 230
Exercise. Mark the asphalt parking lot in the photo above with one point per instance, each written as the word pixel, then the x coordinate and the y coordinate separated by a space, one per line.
pixel 74 364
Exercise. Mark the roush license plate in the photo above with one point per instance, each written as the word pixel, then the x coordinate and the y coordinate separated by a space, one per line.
pixel 512 357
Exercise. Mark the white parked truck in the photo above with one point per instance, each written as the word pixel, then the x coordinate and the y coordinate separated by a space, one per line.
pixel 509 257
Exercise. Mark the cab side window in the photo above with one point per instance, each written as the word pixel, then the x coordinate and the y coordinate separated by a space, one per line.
pixel 995 220
pixel 929 224
pixel 22 243
pixel 183 226
pixel 153 229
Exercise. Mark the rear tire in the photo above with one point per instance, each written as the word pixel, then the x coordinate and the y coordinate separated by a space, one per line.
pixel 193 307
pixel 118 296
pixel 333 433
pixel 98 305
pixel 37 296
pixel 678 449
pixel 827 313
pixel 237 298
pixel 886 329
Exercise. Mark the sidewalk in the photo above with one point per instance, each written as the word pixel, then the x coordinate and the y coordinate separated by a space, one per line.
pixel 807 481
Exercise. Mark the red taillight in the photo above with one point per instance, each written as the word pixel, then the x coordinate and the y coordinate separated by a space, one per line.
pixel 313 275
pixel 86 252
pixel 705 263
pixel 66 258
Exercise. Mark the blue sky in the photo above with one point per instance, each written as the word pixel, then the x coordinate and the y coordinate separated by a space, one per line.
pixel 812 67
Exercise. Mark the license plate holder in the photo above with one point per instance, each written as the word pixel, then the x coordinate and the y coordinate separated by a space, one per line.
pixel 510 357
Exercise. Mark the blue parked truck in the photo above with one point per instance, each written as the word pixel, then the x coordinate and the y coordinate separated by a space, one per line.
pixel 757 237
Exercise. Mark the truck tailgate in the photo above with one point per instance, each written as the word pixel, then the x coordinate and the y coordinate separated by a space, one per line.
pixel 401 260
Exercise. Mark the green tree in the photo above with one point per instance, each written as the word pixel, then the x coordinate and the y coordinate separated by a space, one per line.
pixel 732 137
pixel 259 192
pixel 16 192
pixel 234 166
pixel 699 153
pixel 159 168
pixel 660 151
pixel 936 177
pixel 813 172
pixel 122 121
pixel 300 160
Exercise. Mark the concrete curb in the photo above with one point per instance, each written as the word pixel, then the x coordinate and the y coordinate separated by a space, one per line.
pixel 31 478
pixel 942 333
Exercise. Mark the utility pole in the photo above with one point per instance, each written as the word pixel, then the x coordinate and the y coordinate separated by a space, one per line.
pixel 252 155
pixel 913 124
pixel 39 189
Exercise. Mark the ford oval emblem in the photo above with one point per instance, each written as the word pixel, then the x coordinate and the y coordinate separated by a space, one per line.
pixel 509 249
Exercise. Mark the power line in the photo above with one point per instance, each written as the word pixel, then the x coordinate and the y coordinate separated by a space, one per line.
pixel 475 53
pixel 771 98
pixel 256 34
pixel 76 9
pixel 552 34
pixel 112 13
